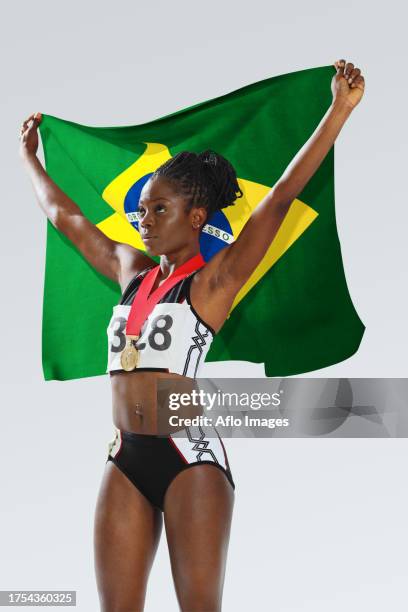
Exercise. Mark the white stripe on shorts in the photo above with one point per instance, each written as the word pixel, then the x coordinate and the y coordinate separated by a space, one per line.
pixel 195 445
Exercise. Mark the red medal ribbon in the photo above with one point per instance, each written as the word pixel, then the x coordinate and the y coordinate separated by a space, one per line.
pixel 144 303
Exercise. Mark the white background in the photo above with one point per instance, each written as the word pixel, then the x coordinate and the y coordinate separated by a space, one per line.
pixel 318 524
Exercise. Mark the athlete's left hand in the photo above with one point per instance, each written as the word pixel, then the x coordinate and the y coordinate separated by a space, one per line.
pixel 347 84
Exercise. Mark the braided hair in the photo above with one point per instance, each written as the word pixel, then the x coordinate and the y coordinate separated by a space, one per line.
pixel 207 178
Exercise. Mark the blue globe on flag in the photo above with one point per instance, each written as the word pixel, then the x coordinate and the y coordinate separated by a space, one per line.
pixel 216 233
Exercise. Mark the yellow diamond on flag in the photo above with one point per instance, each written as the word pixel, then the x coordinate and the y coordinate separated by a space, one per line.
pixel 117 227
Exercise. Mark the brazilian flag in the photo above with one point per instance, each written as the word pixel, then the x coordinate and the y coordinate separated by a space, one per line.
pixel 294 313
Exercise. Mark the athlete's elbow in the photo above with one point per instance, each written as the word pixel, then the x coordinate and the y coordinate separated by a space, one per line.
pixel 53 214
pixel 280 208
pixel 280 199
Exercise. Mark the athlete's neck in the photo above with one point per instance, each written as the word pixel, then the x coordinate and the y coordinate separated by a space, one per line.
pixel 169 263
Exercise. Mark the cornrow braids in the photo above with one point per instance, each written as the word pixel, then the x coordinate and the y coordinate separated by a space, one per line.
pixel 207 178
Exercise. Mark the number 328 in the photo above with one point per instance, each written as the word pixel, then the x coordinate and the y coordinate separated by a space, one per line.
pixel 159 338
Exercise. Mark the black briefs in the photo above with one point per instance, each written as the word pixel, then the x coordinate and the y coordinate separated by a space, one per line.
pixel 152 462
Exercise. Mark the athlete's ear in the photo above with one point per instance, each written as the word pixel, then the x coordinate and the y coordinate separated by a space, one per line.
pixel 198 217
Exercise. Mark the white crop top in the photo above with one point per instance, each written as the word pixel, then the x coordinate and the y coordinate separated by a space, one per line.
pixel 172 339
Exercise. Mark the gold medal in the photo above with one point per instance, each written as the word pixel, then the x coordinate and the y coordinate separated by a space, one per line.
pixel 129 357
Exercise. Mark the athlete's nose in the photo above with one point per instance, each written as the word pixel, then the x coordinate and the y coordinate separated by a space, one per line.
pixel 147 220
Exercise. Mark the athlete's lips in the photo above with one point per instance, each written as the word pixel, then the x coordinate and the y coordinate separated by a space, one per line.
pixel 148 237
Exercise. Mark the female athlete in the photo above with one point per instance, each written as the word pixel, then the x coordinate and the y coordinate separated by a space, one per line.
pixel 180 304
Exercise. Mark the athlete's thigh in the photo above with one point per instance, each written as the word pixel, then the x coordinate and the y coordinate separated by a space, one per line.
pixel 197 513
pixel 126 536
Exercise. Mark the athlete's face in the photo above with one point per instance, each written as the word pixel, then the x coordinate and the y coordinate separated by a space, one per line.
pixel 164 224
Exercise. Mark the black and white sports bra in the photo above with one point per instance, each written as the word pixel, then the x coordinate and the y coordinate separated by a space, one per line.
pixel 172 339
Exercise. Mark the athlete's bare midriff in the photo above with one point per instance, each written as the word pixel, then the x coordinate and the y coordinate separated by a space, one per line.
pixel 136 405
pixel 134 394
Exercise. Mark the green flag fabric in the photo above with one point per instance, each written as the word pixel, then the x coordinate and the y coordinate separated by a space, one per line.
pixel 294 314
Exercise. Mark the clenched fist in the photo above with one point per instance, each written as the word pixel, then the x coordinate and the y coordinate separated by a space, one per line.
pixel 29 135
pixel 347 84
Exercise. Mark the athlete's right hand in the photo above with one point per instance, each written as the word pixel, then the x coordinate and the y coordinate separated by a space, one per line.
pixel 29 135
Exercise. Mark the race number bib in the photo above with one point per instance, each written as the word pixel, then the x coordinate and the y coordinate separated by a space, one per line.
pixel 164 341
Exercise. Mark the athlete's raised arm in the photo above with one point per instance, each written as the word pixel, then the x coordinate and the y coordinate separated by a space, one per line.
pixel 116 260
pixel 230 268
